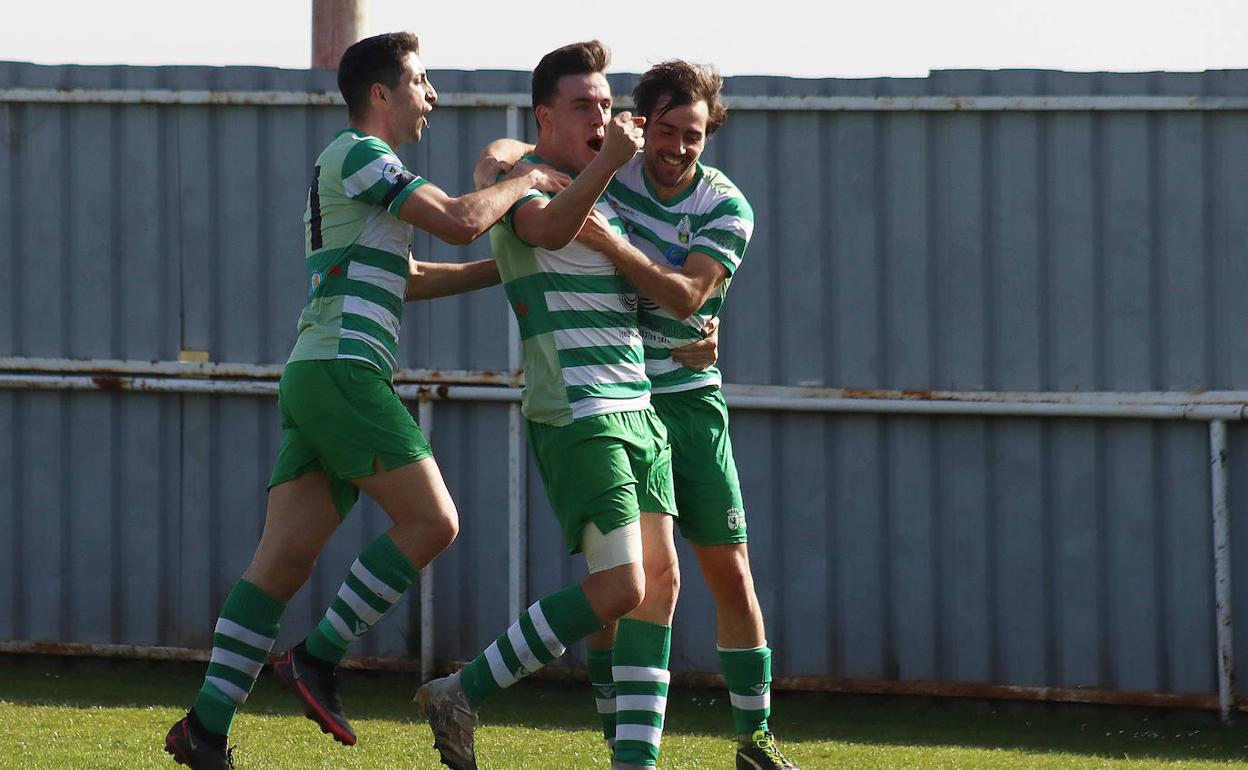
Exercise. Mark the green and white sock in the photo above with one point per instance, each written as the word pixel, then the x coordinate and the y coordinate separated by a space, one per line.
pixel 748 675
pixel 641 681
pixel 375 582
pixel 603 685
pixel 538 636
pixel 241 642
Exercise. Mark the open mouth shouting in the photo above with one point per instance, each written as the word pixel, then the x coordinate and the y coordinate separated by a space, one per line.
pixel 595 143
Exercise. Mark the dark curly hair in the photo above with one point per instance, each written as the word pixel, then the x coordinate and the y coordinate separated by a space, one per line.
pixel 377 59
pixel 684 83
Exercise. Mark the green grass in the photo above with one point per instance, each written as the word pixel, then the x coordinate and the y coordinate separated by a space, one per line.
pixel 93 715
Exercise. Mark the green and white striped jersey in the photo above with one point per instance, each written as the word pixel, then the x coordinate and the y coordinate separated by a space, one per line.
pixel 357 252
pixel 578 323
pixel 711 217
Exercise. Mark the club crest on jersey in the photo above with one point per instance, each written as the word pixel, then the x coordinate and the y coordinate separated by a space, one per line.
pixel 683 230
pixel 316 283
pixel 736 519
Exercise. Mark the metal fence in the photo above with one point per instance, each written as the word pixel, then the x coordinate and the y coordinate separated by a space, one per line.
pixel 977 234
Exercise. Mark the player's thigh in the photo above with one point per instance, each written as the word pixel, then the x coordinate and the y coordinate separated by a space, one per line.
pixel 299 520
pixel 412 495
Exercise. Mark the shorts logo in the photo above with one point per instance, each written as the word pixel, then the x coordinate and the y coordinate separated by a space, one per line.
pixel 736 519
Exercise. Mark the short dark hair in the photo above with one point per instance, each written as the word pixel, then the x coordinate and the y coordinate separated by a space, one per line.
pixel 575 59
pixel 685 83
pixel 377 59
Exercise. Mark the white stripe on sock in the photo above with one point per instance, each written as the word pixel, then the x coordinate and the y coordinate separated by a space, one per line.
pixel 231 690
pixel 233 630
pixel 502 676
pixel 340 626
pixel 374 583
pixel 656 704
pixel 362 609
pixel 553 645
pixel 642 733
pixel 640 674
pixel 751 702
pixel 520 645
pixel 240 663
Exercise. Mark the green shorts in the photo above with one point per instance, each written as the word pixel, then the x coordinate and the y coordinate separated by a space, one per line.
pixel 339 416
pixel 708 493
pixel 605 469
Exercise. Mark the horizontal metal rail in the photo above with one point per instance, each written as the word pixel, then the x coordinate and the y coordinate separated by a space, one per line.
pixel 429 386
pixel 243 98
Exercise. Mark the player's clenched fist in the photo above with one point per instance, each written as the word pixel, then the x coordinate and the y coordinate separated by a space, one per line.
pixel 624 138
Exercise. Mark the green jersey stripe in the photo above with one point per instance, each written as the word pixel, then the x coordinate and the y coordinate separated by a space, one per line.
pixel 358 323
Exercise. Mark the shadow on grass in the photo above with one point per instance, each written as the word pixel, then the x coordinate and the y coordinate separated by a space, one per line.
pixel 1108 732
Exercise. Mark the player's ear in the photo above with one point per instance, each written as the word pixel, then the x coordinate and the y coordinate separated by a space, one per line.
pixel 542 113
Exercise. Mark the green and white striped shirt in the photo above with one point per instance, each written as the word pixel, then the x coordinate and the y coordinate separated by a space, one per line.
pixel 357 252
pixel 578 322
pixel 711 217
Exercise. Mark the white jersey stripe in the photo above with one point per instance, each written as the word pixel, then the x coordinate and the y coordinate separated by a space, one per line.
pixel 640 674
pixel 374 583
pixel 654 703
pixel 231 690
pixel 376 344
pixel 549 638
pixel 373 312
pixel 751 702
pixel 502 677
pixel 369 175
pixel 382 279
pixel 246 636
pixel 590 407
pixel 604 374
pixel 657 366
pixel 584 301
pixel 592 337
pixel 361 608
pixel 240 663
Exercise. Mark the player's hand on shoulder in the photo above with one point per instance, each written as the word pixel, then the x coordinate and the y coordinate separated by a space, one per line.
pixel 623 139
pixel 488 171
pixel 597 232
pixel 545 178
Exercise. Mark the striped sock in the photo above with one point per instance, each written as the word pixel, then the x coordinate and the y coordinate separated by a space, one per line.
pixel 603 685
pixel 641 679
pixel 748 674
pixel 375 582
pixel 537 637
pixel 244 635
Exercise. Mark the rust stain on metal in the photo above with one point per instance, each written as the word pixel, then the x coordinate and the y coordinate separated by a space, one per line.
pixel 109 383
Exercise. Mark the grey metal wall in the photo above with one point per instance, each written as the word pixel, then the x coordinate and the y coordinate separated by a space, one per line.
pixel 1012 250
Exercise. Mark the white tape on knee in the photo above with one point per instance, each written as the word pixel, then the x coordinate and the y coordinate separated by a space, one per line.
pixel 618 547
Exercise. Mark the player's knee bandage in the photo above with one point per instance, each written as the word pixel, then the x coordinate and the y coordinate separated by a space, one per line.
pixel 618 547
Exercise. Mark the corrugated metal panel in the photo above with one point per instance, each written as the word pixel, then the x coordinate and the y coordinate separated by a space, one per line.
pixel 1009 250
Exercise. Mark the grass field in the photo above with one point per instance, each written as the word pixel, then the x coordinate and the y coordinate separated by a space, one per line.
pixel 89 716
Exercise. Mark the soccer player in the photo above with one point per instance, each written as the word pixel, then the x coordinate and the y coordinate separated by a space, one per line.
pixel 688 227
pixel 344 428
pixel 601 450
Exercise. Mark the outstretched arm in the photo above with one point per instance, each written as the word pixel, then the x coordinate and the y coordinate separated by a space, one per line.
pixel 462 220
pixel 427 280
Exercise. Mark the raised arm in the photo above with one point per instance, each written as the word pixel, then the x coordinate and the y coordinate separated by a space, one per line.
pixel 552 224
pixel 427 280
pixel 462 220
pixel 680 292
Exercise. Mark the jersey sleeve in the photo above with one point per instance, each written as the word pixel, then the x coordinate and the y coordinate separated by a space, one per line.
pixel 726 233
pixel 373 174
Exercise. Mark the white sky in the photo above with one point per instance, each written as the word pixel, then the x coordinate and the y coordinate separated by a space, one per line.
pixel 813 38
